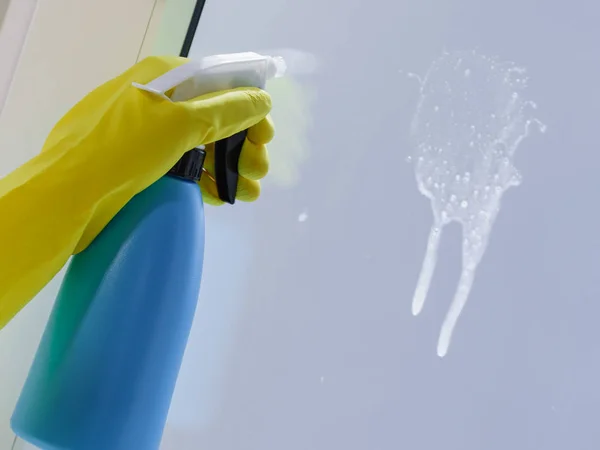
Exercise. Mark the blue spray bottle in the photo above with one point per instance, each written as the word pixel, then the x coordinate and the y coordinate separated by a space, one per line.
pixel 106 367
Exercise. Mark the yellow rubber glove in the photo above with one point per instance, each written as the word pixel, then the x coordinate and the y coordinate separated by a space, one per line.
pixel 113 144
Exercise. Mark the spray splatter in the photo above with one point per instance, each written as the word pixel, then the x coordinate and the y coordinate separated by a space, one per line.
pixel 469 122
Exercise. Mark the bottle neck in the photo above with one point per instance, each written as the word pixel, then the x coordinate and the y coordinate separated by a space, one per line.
pixel 189 167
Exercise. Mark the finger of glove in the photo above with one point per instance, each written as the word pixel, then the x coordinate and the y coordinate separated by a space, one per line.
pixel 209 192
pixel 263 132
pixel 254 160
pixel 222 114
pixel 247 191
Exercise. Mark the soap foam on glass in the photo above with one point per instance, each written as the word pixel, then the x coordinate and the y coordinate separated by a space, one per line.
pixel 469 122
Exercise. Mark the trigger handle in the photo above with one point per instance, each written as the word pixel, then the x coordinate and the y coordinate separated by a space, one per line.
pixel 227 156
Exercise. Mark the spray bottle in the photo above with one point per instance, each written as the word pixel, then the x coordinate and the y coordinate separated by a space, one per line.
pixel 106 367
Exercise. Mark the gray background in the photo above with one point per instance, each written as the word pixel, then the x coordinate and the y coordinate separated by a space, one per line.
pixel 304 338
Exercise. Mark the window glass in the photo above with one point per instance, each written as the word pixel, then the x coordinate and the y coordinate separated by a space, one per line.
pixel 305 336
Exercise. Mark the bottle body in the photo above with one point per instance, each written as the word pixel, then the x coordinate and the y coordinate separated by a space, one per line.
pixel 106 367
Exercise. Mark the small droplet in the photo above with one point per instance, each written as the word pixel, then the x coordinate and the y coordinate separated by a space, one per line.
pixel 464 204
pixel 467 72
pixel 302 217
pixel 500 147
pixel 409 158
pixel 436 108
pixel 453 198
pixel 516 178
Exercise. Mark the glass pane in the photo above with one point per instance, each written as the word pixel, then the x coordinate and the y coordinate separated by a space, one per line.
pixel 305 336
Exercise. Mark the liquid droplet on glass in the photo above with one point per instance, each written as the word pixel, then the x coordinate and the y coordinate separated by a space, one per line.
pixel 471 107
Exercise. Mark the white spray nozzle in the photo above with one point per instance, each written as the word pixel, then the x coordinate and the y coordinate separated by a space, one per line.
pixel 277 67
pixel 297 62
pixel 217 73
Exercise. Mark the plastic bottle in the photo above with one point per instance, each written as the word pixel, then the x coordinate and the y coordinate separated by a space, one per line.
pixel 218 73
pixel 106 367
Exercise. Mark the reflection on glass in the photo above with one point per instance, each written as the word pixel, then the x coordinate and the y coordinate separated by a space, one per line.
pixel 292 103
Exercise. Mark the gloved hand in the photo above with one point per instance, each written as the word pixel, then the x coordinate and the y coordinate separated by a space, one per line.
pixel 113 144
pixel 131 139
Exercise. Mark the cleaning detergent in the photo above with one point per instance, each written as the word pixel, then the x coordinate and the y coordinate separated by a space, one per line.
pixel 106 367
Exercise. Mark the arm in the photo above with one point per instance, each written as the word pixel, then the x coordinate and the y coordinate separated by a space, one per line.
pixel 113 144
pixel 42 217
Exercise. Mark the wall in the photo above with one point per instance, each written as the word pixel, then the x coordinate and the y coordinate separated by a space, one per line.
pixel 3 8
